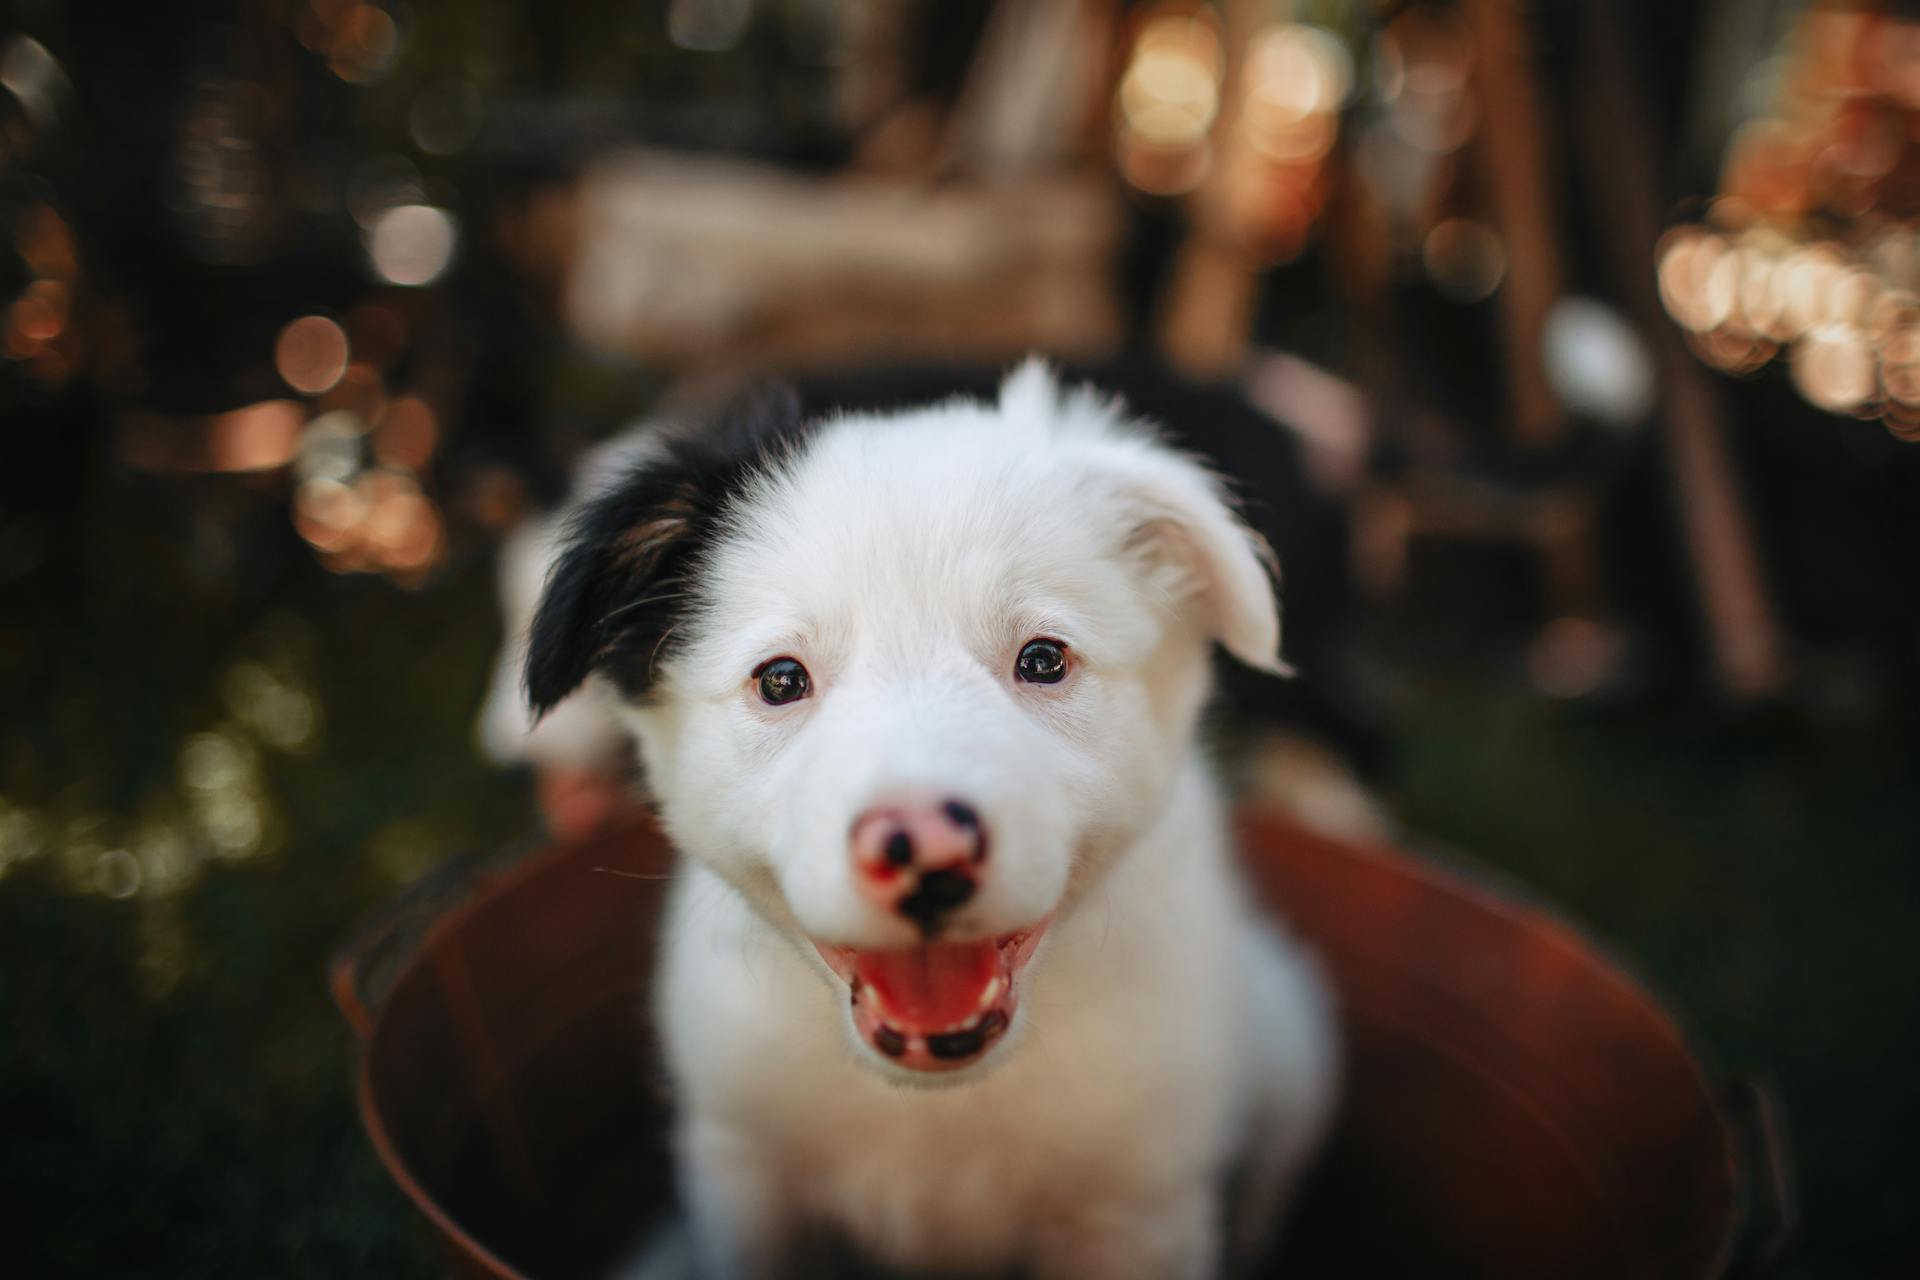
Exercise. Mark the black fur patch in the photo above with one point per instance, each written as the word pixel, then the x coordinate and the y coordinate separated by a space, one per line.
pixel 630 570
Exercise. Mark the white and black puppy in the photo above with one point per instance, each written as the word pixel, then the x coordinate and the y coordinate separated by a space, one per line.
pixel 916 694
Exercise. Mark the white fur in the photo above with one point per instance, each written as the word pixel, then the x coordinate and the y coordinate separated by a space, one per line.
pixel 1164 1030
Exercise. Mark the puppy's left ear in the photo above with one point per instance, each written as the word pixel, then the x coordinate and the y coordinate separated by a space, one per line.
pixel 1182 528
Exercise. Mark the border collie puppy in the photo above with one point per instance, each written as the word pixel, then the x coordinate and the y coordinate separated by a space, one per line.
pixel 957 967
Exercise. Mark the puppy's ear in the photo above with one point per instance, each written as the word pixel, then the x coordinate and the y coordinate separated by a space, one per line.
pixel 558 653
pixel 610 588
pixel 625 577
pixel 1183 530
pixel 1178 523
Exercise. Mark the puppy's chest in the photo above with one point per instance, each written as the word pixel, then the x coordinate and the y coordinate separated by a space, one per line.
pixel 929 1176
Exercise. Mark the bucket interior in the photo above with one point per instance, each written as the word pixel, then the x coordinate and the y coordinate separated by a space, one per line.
pixel 1513 1106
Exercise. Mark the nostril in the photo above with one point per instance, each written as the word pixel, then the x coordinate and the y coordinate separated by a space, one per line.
pixel 967 818
pixel 899 849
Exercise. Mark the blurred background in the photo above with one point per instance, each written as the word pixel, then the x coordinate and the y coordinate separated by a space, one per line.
pixel 1569 351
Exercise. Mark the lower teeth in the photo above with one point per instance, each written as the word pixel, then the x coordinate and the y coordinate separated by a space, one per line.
pixel 956 1044
pixel 964 1044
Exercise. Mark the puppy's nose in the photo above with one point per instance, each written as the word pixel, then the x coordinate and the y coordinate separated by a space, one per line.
pixel 921 856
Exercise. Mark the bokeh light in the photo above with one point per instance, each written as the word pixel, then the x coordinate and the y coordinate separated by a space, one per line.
pixel 116 874
pixel 170 862
pixel 1295 74
pixel 412 244
pixel 1570 657
pixel 363 42
pixel 1597 363
pixel 1834 368
pixel 258 437
pixel 327 512
pixel 1166 102
pixel 445 117
pixel 283 713
pixel 407 434
pixel 221 772
pixel 330 447
pixel 1809 249
pixel 311 354
pixel 1465 259
pixel 401 529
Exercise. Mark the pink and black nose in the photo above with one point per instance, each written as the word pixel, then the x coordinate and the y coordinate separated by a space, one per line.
pixel 920 856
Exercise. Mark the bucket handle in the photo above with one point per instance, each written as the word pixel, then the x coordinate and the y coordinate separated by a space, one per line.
pixel 390 932
pixel 1772 1217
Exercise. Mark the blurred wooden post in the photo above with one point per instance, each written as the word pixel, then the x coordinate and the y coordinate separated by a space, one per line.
pixel 1519 187
pixel 1205 325
pixel 1026 100
pixel 1744 635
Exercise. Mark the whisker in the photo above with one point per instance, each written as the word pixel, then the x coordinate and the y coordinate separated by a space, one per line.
pixel 632 875
pixel 653 659
pixel 631 605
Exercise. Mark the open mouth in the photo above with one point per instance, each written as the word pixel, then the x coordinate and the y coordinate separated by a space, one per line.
pixel 938 1006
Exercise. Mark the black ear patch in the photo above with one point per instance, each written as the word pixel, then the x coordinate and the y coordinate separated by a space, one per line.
pixel 630 569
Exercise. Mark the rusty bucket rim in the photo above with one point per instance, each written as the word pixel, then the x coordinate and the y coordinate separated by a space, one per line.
pixel 476 885
pixel 1438 866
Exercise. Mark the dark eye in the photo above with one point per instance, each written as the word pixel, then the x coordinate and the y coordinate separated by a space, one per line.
pixel 782 681
pixel 1042 662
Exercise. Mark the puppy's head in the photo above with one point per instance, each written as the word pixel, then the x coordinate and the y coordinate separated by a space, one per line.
pixel 910 683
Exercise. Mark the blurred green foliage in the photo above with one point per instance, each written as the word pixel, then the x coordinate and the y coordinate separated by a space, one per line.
pixel 174 1081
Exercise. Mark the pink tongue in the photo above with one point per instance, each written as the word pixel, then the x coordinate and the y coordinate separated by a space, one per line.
pixel 930 988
